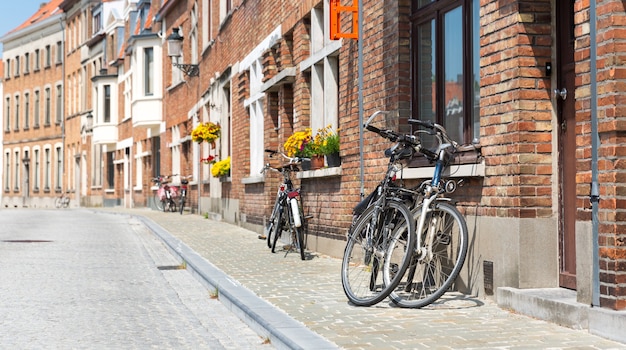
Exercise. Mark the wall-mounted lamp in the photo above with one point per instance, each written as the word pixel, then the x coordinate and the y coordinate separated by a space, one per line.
pixel 174 49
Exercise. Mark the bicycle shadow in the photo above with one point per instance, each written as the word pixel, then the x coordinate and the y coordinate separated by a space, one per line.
pixel 452 301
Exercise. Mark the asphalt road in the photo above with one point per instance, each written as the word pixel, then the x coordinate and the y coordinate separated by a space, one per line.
pixel 84 280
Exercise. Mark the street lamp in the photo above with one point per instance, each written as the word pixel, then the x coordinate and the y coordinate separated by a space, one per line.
pixel 174 49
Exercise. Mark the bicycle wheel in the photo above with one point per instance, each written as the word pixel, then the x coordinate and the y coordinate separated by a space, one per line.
pixel 171 205
pixel 269 227
pixel 58 202
pixel 182 204
pixel 364 255
pixel 429 276
pixel 66 202
pixel 300 241
pixel 278 227
pixel 158 203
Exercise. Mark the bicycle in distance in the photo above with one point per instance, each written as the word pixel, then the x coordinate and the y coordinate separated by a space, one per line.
pixel 418 265
pixel 184 184
pixel 62 201
pixel 287 221
pixel 165 194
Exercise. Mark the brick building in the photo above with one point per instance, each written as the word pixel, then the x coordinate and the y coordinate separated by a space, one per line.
pixel 535 83
pixel 32 110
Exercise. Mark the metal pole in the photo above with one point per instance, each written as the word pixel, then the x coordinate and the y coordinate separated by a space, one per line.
pixel 595 187
pixel 360 85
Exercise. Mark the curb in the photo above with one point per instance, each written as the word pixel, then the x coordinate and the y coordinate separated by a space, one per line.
pixel 283 331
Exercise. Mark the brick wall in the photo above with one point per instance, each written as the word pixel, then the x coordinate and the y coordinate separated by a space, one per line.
pixel 516 110
pixel 611 113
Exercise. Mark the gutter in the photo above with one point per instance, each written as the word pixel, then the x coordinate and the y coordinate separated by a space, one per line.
pixel 594 197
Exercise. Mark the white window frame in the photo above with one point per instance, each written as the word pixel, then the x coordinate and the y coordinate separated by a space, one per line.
pixel 323 66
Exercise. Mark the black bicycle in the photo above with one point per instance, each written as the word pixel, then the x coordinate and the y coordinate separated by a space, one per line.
pixel 287 219
pixel 184 183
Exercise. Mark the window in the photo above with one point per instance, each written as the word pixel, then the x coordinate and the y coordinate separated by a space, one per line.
pixel 225 7
pixel 36 171
pixel 17 113
pixel 256 117
pixel 47 108
pixel 7 106
pixel 7 171
pixel 37 60
pixel 207 32
pixel 59 104
pixel 46 173
pixel 16 178
pixel 17 66
pixel 59 169
pixel 97 23
pixel 193 34
pixel 26 110
pixel 445 79
pixel 26 63
pixel 148 69
pixel 7 69
pixel 96 179
pixel 48 56
pixel 36 109
pixel 110 170
pixel 107 103
pixel 59 52
pixel 323 69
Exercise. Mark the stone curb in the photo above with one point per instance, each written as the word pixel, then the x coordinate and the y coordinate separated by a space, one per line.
pixel 283 331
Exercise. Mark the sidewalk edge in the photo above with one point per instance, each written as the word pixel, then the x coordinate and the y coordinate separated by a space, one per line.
pixel 283 331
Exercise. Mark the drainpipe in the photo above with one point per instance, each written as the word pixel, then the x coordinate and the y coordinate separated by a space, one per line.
pixel 595 187
pixel 360 85
pixel 62 23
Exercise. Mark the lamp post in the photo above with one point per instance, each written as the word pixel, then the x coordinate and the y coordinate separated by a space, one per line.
pixel 174 49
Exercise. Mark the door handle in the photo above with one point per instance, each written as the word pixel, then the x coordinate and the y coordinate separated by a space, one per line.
pixel 560 93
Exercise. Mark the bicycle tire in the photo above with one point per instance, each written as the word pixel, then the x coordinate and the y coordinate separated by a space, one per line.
pixel 300 241
pixel 182 204
pixel 362 261
pixel 158 203
pixel 269 227
pixel 278 227
pixel 172 205
pixel 58 202
pixel 450 244
pixel 66 202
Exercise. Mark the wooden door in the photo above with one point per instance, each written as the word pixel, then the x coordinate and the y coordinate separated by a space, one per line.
pixel 564 95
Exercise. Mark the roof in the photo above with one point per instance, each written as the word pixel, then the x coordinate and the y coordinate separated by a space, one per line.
pixel 44 12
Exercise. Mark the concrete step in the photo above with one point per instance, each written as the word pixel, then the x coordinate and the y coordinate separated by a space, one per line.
pixel 558 305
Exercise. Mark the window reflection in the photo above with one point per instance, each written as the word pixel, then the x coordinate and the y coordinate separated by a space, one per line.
pixel 453 73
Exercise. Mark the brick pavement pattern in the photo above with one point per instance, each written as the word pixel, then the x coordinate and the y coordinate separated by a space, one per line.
pixel 72 279
pixel 311 292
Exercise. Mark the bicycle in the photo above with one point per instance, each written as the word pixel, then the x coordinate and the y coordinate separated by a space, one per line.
pixel 381 216
pixel 184 182
pixel 287 212
pixel 165 194
pixel 63 201
pixel 441 234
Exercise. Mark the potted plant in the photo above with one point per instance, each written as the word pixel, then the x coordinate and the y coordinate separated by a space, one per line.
pixel 208 132
pixel 296 146
pixel 221 168
pixel 314 150
pixel 330 146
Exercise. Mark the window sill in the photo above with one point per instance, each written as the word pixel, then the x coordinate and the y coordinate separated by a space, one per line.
pixel 253 180
pixel 455 170
pixel 324 172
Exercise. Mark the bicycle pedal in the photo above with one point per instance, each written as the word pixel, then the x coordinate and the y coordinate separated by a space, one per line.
pixel 306 217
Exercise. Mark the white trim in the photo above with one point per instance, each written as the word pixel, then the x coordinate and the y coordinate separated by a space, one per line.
pixel 327 50
pixel 257 52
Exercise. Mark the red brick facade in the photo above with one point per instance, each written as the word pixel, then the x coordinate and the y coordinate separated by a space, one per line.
pixel 514 206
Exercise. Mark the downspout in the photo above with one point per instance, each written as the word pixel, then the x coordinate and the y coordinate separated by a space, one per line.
pixel 360 86
pixel 595 187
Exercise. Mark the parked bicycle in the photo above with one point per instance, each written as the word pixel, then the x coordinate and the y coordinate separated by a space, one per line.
pixel 287 220
pixel 434 252
pixel 184 182
pixel 165 195
pixel 441 233
pixel 381 216
pixel 63 201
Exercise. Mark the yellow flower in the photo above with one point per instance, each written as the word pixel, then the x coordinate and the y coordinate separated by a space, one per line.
pixel 208 132
pixel 221 168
